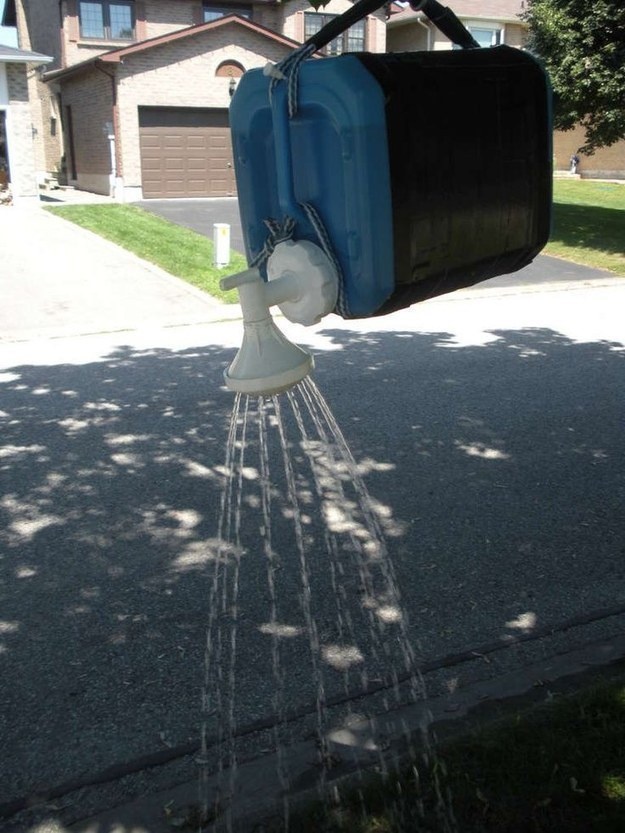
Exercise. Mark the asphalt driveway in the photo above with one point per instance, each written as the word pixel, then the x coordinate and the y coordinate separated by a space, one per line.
pixel 487 427
pixel 200 215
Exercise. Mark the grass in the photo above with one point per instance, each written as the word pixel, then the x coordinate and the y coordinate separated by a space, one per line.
pixel 589 224
pixel 588 228
pixel 557 769
pixel 177 250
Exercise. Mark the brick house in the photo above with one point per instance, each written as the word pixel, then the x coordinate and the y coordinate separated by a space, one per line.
pixel 135 103
pixel 493 22
pixel 17 147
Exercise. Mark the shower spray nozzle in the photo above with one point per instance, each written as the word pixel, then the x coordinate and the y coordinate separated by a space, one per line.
pixel 303 283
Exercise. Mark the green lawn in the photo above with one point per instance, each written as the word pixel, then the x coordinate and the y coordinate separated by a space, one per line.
pixel 589 224
pixel 558 769
pixel 588 228
pixel 177 250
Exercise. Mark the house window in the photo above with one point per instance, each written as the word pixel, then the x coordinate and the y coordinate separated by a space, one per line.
pixel 486 36
pixel 353 40
pixel 107 19
pixel 213 12
pixel 229 69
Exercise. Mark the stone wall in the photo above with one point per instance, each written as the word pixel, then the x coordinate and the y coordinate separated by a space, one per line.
pixel 90 97
pixel 20 135
pixel 605 163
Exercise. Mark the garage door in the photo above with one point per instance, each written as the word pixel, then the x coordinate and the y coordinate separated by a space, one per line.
pixel 185 152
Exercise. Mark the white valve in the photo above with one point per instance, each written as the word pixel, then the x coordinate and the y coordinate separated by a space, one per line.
pixel 311 277
pixel 304 284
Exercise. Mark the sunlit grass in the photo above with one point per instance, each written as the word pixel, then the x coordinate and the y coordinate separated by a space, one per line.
pixel 589 224
pixel 588 228
pixel 177 250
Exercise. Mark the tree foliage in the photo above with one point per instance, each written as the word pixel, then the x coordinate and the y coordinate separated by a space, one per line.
pixel 582 45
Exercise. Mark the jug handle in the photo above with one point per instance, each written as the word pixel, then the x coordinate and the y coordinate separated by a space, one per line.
pixel 284 167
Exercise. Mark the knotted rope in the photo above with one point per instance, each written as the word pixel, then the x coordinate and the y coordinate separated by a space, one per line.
pixel 278 233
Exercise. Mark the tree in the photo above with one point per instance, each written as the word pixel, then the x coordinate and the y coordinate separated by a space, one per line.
pixel 582 45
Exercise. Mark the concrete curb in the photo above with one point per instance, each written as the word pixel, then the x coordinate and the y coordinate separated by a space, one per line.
pixel 358 747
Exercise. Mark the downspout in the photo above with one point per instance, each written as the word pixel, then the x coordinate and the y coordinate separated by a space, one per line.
pixel 116 187
pixel 429 33
pixel 63 63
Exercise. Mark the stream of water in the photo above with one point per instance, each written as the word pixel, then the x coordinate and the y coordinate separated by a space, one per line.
pixel 303 604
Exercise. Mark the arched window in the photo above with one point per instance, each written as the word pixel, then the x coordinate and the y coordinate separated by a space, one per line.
pixel 229 69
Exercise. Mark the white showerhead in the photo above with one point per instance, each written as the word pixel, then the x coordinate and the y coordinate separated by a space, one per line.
pixel 303 282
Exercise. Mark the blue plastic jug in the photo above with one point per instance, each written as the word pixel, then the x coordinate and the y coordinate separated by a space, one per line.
pixel 430 171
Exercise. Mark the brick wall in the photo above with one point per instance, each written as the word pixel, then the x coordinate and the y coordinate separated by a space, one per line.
pixel 163 17
pixel 154 19
pixel 268 16
pixel 412 36
pixel 90 97
pixel 49 138
pixel 493 9
pixel 19 135
pixel 38 30
pixel 78 49
pixel 182 74
pixel 605 163
pixel 409 38
pixel 515 34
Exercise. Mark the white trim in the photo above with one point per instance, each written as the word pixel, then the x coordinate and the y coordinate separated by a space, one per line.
pixel 4 87
pixel 400 19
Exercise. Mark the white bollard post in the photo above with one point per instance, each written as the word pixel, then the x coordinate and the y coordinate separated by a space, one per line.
pixel 221 244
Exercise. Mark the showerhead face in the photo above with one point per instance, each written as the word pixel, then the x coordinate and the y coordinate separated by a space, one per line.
pixel 267 362
pixel 305 283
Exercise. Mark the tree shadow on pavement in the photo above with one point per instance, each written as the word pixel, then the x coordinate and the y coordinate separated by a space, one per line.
pixel 498 469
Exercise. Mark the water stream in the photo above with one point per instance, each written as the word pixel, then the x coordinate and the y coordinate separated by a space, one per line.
pixel 303 603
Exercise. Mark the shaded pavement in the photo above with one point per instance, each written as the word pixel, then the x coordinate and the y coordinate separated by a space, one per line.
pixel 488 430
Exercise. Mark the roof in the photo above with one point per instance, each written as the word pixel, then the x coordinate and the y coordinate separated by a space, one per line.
pixel 10 55
pixel 115 56
pixel 504 11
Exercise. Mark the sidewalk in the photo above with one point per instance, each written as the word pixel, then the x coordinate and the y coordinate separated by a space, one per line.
pixel 58 280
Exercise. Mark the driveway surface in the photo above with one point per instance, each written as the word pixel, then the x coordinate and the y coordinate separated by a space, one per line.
pixel 487 427
pixel 200 215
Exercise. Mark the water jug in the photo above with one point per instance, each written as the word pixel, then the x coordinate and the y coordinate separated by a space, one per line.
pixel 427 171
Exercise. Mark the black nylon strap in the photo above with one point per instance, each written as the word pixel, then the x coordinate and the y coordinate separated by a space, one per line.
pixel 337 26
pixel 441 16
pixel 444 18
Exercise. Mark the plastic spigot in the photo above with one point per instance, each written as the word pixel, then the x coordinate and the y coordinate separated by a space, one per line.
pixel 304 284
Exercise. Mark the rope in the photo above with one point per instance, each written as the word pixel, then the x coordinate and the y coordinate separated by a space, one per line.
pixel 278 233
pixel 326 244
pixel 287 70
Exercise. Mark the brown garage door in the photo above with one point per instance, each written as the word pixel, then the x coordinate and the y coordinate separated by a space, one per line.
pixel 185 152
